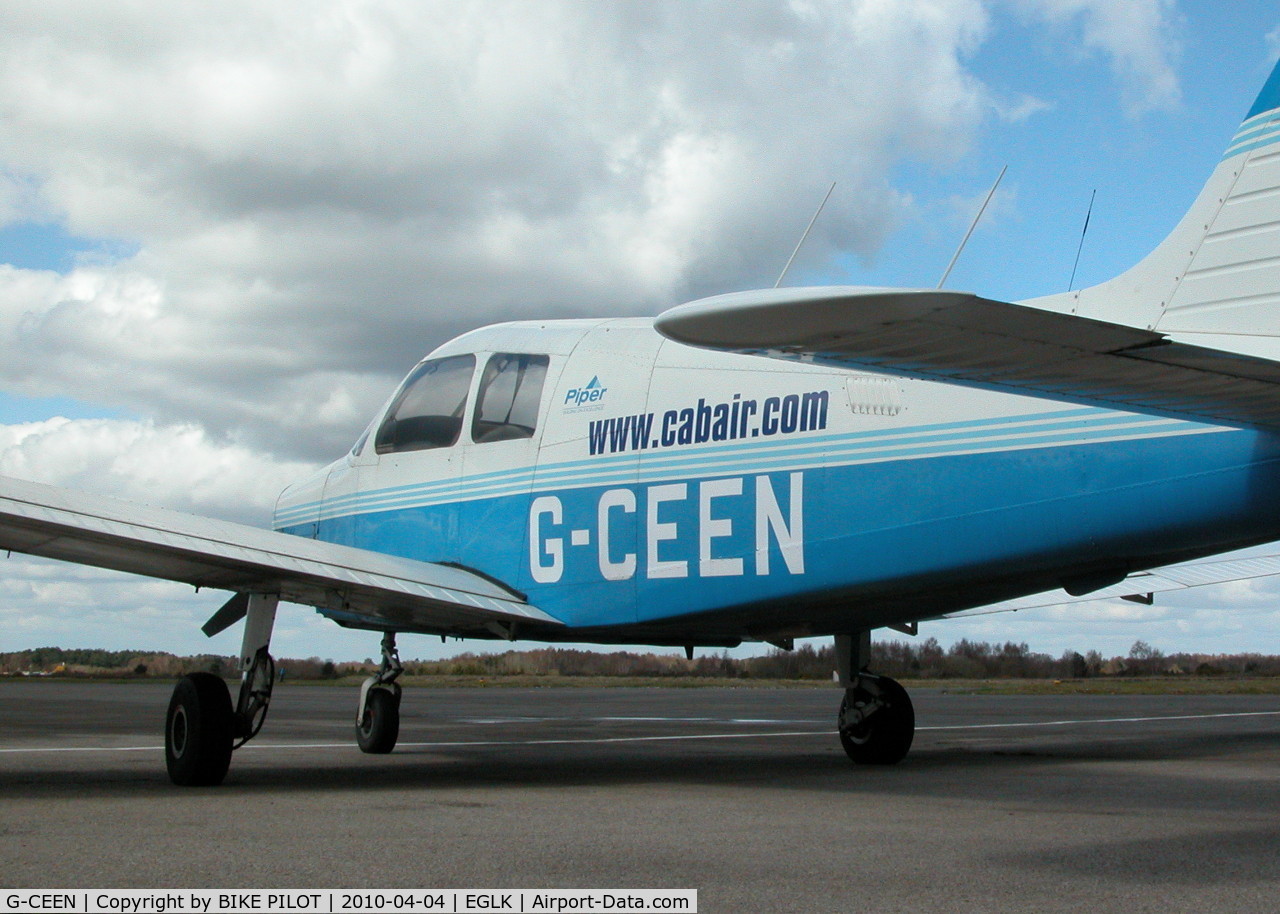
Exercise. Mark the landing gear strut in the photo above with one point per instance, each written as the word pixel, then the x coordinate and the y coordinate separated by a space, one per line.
pixel 877 721
pixel 378 717
pixel 201 727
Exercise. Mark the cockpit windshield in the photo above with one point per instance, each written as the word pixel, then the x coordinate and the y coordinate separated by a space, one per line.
pixel 428 410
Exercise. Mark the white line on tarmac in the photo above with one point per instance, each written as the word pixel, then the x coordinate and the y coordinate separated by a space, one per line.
pixel 680 720
pixel 1104 720
pixel 665 738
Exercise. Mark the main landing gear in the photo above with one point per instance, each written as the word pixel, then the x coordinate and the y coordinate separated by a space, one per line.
pixel 877 722
pixel 202 727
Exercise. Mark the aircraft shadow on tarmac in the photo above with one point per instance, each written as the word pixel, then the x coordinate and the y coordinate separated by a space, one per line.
pixel 1126 771
pixel 1204 859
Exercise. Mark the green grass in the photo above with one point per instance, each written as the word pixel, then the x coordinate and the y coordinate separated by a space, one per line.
pixel 526 681
pixel 1173 685
pixel 1108 685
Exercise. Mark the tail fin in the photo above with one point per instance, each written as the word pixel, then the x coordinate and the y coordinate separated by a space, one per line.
pixel 1218 272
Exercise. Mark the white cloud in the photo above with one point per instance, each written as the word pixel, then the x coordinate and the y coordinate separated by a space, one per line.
pixel 315 194
pixel 171 466
pixel 1022 108
pixel 320 193
pixel 52 603
pixel 1205 620
pixel 1139 38
pixel 45 603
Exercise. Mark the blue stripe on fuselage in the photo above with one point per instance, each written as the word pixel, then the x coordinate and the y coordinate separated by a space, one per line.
pixel 686 545
pixel 1081 425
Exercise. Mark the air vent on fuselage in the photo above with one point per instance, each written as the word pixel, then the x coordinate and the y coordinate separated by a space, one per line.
pixel 874 395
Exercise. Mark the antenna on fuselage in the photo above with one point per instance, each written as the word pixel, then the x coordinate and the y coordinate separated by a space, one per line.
pixel 1080 247
pixel 816 213
pixel 973 225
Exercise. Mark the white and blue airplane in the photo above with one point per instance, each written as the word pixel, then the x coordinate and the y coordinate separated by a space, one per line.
pixel 764 466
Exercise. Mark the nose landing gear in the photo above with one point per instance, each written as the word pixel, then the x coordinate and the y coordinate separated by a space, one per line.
pixel 378 717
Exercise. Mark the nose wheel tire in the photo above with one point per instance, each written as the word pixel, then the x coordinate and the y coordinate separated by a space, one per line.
pixel 379 725
pixel 198 731
pixel 877 721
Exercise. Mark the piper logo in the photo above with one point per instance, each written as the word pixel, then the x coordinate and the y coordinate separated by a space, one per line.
pixel 588 397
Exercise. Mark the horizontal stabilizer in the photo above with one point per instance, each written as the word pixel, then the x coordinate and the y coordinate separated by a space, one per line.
pixel 360 588
pixel 964 339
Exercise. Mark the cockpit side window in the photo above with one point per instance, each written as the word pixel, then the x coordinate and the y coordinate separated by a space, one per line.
pixel 427 412
pixel 510 393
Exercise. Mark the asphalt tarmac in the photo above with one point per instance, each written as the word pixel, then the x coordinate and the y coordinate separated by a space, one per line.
pixel 1006 803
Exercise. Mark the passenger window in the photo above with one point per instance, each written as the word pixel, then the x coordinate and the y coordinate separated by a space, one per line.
pixel 510 393
pixel 427 413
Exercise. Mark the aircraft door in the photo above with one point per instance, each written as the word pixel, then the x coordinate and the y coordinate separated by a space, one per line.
pixel 499 455
pixel 583 531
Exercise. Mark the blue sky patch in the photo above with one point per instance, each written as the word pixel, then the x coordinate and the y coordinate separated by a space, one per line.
pixel 17 409
pixel 48 246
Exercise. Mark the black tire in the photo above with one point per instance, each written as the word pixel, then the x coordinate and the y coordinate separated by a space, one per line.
pixel 379 726
pixel 197 731
pixel 884 737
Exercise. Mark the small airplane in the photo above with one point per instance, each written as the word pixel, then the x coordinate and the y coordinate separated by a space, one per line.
pixel 763 466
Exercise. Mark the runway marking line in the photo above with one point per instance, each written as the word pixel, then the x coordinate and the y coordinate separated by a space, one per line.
pixel 454 744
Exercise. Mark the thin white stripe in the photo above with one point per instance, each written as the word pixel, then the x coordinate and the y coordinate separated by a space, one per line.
pixel 838 455
pixel 669 738
pixel 1103 720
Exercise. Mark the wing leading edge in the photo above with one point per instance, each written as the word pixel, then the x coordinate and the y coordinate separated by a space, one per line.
pixel 354 586
pixel 964 339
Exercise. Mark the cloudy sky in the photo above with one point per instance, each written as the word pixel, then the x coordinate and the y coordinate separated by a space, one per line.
pixel 226 230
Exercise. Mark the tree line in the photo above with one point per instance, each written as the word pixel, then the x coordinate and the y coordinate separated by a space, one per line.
pixel 925 659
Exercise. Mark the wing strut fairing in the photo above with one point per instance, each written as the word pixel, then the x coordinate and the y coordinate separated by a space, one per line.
pixel 963 339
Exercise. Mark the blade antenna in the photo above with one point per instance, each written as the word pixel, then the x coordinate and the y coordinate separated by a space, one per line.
pixel 805 235
pixel 1080 247
pixel 982 209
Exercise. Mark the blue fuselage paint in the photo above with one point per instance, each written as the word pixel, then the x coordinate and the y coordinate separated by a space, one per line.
pixel 650 545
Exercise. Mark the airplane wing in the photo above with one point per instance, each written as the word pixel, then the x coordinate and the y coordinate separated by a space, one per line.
pixel 357 588
pixel 964 339
pixel 1142 585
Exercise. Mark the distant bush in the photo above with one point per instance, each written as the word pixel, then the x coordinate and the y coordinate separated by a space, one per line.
pixel 925 659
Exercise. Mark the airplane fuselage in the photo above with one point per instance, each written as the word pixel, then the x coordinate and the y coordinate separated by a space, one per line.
pixel 664 494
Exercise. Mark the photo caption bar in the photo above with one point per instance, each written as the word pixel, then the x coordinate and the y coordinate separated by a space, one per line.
pixel 347 901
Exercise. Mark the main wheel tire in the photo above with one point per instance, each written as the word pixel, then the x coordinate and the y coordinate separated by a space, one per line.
pixel 379 726
pixel 884 736
pixel 198 731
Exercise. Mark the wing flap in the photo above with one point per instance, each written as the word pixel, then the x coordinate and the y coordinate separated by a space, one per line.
pixel 964 339
pixel 356 585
